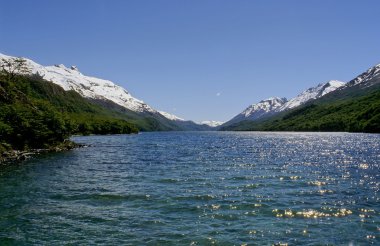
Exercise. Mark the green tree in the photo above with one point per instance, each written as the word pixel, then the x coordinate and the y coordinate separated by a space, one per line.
pixel 12 67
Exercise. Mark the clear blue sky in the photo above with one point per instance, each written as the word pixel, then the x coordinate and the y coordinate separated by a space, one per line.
pixel 199 59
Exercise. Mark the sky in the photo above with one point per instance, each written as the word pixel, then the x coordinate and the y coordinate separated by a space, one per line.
pixel 199 59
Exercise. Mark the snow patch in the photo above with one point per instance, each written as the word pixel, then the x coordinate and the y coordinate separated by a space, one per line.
pixel 170 116
pixel 212 123
pixel 366 76
pixel 264 106
pixel 310 94
pixel 89 87
pixel 275 105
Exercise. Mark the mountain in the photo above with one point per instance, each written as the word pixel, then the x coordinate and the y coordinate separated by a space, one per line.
pixel 37 114
pixel 274 105
pixel 191 125
pixel 310 94
pixel 353 107
pixel 171 116
pixel 89 87
pixel 211 123
pixel 368 78
pixel 259 110
pixel 108 95
pixel 186 124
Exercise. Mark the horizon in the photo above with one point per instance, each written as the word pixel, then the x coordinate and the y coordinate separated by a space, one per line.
pixel 217 51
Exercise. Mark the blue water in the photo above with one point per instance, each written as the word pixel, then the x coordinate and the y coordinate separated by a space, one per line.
pixel 197 188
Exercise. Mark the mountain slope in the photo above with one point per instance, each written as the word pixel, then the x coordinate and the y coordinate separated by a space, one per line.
pixel 274 105
pixel 38 114
pixel 107 95
pixel 368 78
pixel 86 86
pixel 310 94
pixel 212 123
pixel 354 107
pixel 262 109
pixel 187 125
pixel 171 116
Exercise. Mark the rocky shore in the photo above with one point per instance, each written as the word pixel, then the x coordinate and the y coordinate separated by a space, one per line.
pixel 21 155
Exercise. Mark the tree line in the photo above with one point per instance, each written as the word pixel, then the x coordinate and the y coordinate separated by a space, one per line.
pixel 39 114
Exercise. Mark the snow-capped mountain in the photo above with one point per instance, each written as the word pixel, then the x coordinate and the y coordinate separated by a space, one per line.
pixel 311 93
pixel 212 123
pixel 264 107
pixel 370 75
pixel 89 87
pixel 105 90
pixel 171 116
pixel 274 105
pixel 259 110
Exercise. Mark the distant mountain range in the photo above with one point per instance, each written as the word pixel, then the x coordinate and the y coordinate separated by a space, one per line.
pixel 212 123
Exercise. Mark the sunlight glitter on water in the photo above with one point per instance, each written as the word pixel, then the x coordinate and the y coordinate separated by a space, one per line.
pixel 198 188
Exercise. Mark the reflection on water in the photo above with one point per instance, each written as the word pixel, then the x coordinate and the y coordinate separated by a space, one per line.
pixel 198 188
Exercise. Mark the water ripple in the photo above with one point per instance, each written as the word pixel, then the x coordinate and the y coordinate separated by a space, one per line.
pixel 198 188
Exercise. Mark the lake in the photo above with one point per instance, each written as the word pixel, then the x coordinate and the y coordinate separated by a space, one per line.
pixel 197 188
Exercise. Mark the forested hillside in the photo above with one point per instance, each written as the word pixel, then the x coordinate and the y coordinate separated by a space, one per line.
pixel 353 109
pixel 38 114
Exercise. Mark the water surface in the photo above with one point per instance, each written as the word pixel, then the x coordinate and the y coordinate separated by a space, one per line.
pixel 197 188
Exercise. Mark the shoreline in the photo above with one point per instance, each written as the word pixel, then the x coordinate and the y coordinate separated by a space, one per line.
pixel 12 156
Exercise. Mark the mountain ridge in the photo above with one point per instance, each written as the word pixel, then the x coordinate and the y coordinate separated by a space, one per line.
pixel 352 107
pixel 273 105
pixel 108 94
pixel 104 91
pixel 262 109
pixel 87 86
